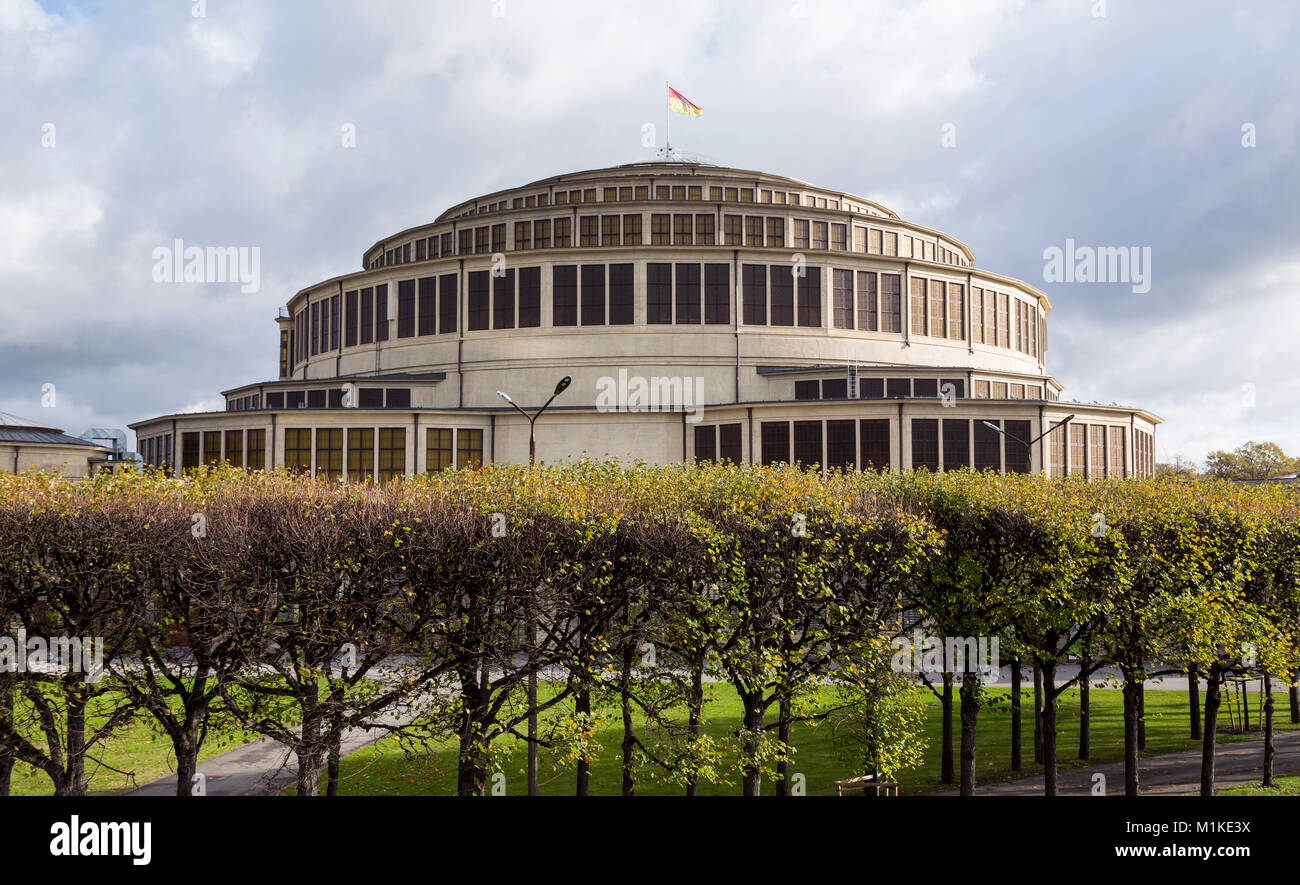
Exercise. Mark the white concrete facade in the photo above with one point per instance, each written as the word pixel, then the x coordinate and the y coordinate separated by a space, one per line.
pixel 500 310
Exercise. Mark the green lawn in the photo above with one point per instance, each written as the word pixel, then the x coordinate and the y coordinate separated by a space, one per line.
pixel 384 770
pixel 139 751
pixel 1287 785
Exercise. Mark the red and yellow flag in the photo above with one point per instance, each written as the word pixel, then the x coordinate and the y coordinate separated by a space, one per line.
pixel 679 103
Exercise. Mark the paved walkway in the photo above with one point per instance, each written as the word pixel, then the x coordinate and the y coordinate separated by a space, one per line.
pixel 1239 762
pixel 257 769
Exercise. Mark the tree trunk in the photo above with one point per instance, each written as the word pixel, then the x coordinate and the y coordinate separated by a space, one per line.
pixel 1268 730
pixel 1211 724
pixel 335 755
pixel 471 766
pixel 696 713
pixel 970 707
pixel 1142 712
pixel 751 771
pixel 1015 714
pixel 1085 708
pixel 75 776
pixel 629 734
pixel 308 750
pixel 1194 702
pixel 945 760
pixel 531 616
pixel 1132 715
pixel 186 765
pixel 1038 712
pixel 7 720
pixel 1293 696
pixel 783 734
pixel 582 706
pixel 1049 728
pixel 1245 706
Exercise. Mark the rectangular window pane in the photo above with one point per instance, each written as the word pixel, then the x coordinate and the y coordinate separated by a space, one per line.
pixel 593 295
pixel 732 231
pixel 659 294
pixel 706 443
pixel 503 300
pixel 392 452
pixel 717 294
pixel 840 445
pixel 1017 453
pixel 782 283
pixel 621 308
pixel 297 449
pixel 988 446
pixel 632 230
pixel 918 307
pixel 957 311
pixel 447 303
pixel 729 443
pixel 808 443
pixel 361 454
pixel 683 231
pixel 891 302
pixel 704 230
pixel 256 456
pixel 754 283
pixel 660 229
pixel 1115 460
pixel 611 230
pixel 875 444
pixel 329 453
pixel 530 297
pixel 469 448
pixel 800 234
pixel 564 295
pixel 776 233
pixel 688 294
pixel 438 451
pixel 476 316
pixel 810 297
pixel 868 317
pixel 937 315
pixel 350 319
pixel 956 444
pixel 775 437
pixel 381 312
pixel 925 444
pixel 842 293
pixel 406 309
pixel 427 309
pixel 235 447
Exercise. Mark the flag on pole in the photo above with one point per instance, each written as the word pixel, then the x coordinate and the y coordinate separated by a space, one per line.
pixel 679 103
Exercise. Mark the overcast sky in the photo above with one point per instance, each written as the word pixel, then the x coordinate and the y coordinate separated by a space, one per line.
pixel 130 124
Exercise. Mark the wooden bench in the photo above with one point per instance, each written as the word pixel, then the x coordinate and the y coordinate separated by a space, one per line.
pixel 864 783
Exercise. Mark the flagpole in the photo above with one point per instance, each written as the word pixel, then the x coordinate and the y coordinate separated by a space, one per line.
pixel 668 125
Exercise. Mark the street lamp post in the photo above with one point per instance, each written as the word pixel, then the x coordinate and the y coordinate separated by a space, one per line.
pixel 532 419
pixel 531 614
pixel 1064 421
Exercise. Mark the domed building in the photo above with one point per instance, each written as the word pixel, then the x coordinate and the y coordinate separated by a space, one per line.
pixel 701 313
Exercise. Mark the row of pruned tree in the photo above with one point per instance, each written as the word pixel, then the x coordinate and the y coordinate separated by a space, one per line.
pixel 300 610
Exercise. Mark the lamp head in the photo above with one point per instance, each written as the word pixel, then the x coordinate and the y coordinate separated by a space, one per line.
pixel 504 396
pixel 991 426
pixel 563 385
